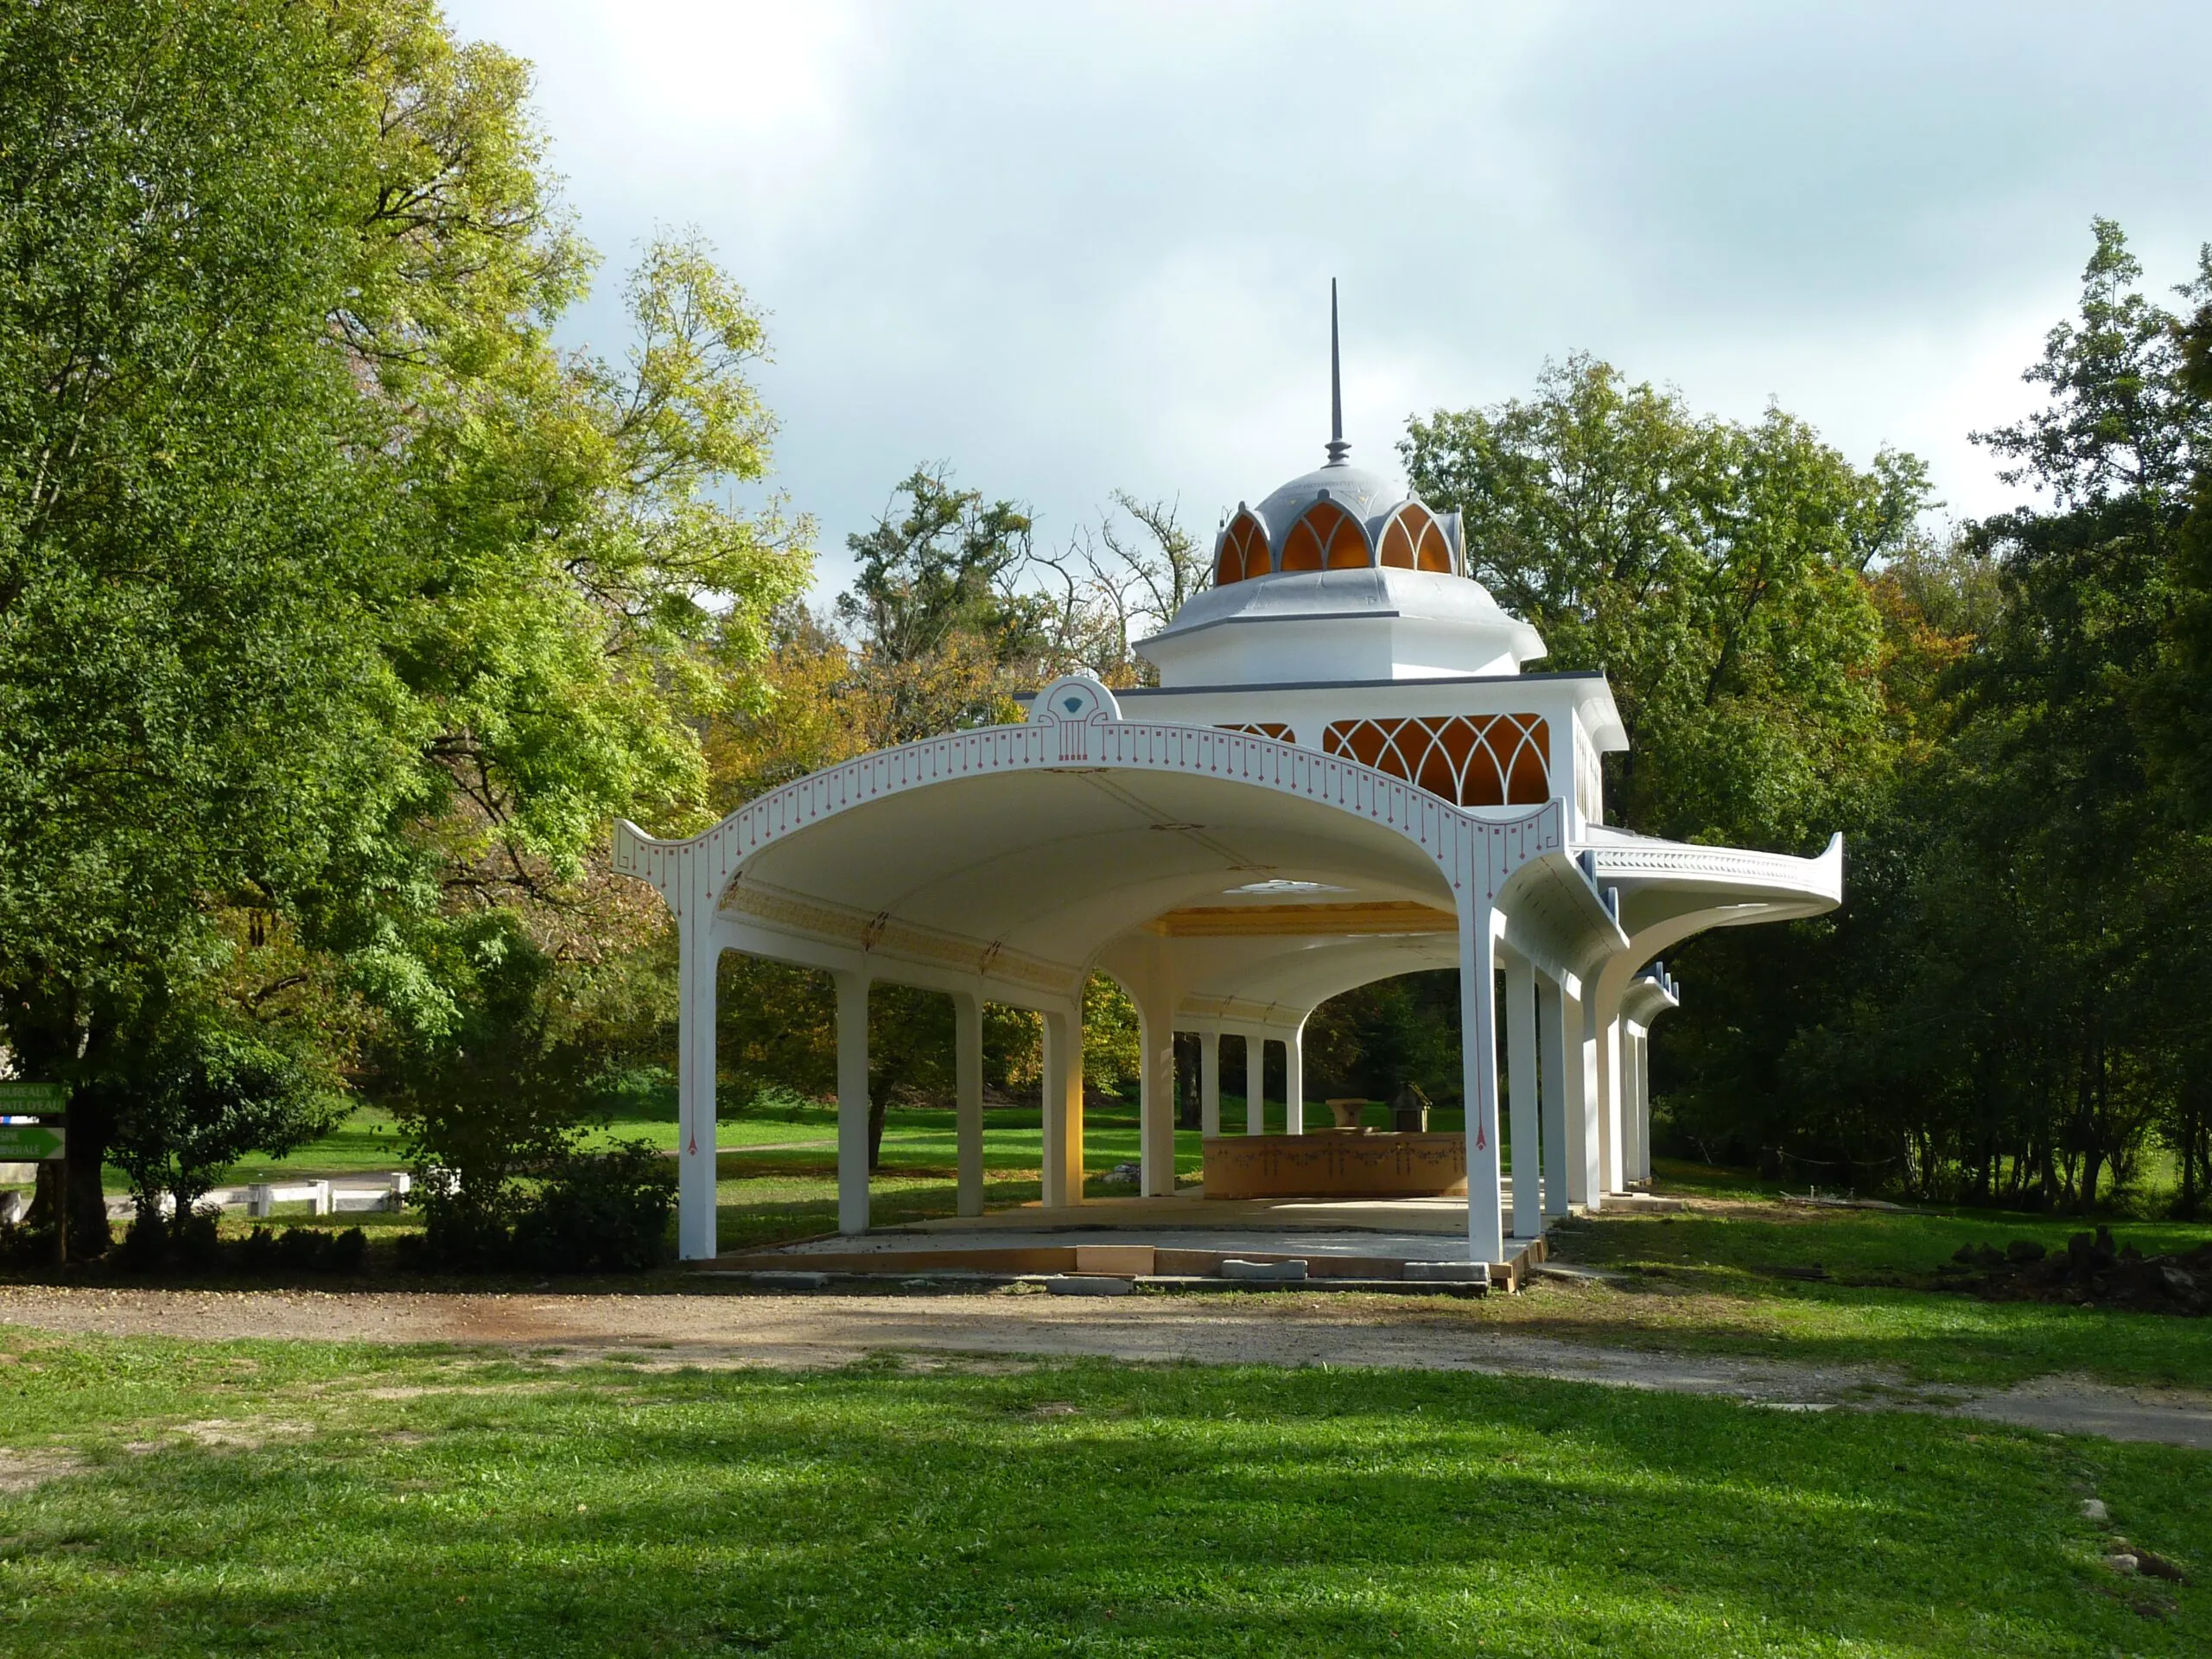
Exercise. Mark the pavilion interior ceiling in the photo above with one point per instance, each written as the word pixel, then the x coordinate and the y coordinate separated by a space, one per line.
pixel 1054 865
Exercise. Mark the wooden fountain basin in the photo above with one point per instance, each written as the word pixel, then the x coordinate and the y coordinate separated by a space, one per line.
pixel 1336 1164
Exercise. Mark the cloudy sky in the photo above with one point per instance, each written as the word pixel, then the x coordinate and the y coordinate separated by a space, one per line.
pixel 1072 248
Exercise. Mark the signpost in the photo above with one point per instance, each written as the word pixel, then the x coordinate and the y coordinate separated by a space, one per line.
pixel 32 1131
pixel 31 1143
pixel 19 1099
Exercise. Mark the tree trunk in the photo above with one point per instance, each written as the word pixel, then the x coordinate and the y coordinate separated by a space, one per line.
pixel 1188 1109
pixel 879 1102
pixel 47 1051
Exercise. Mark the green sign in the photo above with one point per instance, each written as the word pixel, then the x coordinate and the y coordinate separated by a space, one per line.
pixel 28 1143
pixel 18 1097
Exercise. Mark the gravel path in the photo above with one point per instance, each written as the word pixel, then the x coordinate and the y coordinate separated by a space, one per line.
pixel 799 1330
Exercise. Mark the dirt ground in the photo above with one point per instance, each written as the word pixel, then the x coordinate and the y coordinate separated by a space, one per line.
pixel 796 1331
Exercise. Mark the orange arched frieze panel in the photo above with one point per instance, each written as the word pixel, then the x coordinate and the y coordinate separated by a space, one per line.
pixel 1325 539
pixel 1432 552
pixel 1415 540
pixel 1472 761
pixel 1243 552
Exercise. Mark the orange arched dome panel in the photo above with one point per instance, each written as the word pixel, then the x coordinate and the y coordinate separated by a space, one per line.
pixel 1413 540
pixel 1476 760
pixel 1327 539
pixel 1243 552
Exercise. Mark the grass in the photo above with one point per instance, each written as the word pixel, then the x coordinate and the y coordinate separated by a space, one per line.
pixel 1711 1282
pixel 370 1138
pixel 296 1497
pixel 1707 1282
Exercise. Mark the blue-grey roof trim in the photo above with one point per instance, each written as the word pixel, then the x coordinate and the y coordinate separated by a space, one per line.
pixel 1555 674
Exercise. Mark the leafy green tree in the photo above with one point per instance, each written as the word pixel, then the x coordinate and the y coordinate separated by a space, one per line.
pixel 202 1093
pixel 2006 1012
pixel 188 685
pixel 330 591
pixel 941 629
pixel 492 1096
pixel 1716 572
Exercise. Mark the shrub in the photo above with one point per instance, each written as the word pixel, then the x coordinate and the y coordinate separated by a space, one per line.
pixel 301 1249
pixel 609 1211
pixel 204 1093
pixel 458 1233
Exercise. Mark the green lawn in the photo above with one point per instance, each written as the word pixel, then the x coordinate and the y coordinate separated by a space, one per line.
pixel 369 1139
pixel 295 1498
pixel 1710 1281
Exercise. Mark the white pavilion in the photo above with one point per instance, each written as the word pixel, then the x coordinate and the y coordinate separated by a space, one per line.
pixel 1346 772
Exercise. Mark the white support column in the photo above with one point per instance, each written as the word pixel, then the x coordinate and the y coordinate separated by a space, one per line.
pixel 1590 1164
pixel 1521 1078
pixel 968 1101
pixel 852 1101
pixel 1645 1109
pixel 1208 1084
pixel 1609 1101
pixel 1293 1081
pixel 1255 1083
pixel 1631 1100
pixel 1642 1164
pixel 1479 1056
pixel 1062 1108
pixel 1156 1096
pixel 1558 1137
pixel 696 1237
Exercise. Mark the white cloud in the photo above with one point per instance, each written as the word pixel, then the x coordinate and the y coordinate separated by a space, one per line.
pixel 1075 247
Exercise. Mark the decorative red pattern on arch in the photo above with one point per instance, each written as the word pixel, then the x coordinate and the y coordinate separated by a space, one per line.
pixel 1479 760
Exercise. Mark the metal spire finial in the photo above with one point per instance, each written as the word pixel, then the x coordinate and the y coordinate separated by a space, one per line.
pixel 1337 447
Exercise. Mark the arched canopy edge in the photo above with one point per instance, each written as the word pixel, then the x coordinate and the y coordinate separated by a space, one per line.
pixel 1556 919
pixel 1475 855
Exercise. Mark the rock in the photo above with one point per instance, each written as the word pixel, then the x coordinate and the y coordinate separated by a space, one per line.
pixel 2158 1566
pixel 1456 1273
pixel 2123 1564
pixel 777 1279
pixel 1277 1271
pixel 2179 1284
pixel 1088 1284
pixel 2024 1250
pixel 1965 1254
pixel 1988 1256
pixel 2092 1508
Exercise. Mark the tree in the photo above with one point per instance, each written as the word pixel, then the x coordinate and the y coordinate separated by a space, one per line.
pixel 2009 1007
pixel 1717 574
pixel 1112 580
pixel 940 625
pixel 203 1092
pixel 330 593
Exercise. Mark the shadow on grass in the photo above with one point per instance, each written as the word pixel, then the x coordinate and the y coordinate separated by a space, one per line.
pixel 1089 1508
